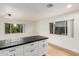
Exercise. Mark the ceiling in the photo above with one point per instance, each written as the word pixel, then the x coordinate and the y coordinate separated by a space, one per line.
pixel 35 11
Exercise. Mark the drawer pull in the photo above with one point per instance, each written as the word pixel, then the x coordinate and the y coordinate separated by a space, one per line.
pixel 32 44
pixel 12 50
pixel 43 45
pixel 32 51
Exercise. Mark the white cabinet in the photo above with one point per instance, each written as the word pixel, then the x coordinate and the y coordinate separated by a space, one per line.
pixel 16 51
pixel 30 49
pixel 43 47
pixel 4 52
pixel 36 48
pixel 19 51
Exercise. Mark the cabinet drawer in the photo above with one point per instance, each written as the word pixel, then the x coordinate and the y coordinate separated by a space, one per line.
pixel 28 52
pixel 31 52
pixel 33 45
pixel 15 51
pixel 19 51
pixel 31 49
pixel 36 53
pixel 43 47
pixel 43 41
pixel 4 52
pixel 43 44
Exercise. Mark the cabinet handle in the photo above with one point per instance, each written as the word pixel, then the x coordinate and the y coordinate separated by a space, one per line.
pixel 32 44
pixel 43 45
pixel 32 51
pixel 12 50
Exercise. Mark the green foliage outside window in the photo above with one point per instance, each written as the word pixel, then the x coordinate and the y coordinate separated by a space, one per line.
pixel 13 28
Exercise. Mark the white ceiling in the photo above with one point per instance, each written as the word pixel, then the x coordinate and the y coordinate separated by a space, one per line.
pixel 35 11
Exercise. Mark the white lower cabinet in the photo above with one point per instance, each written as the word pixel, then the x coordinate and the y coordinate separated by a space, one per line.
pixel 31 49
pixel 4 52
pixel 43 47
pixel 36 49
pixel 16 51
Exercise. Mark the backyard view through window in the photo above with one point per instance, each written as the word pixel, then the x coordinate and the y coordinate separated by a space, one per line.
pixel 13 28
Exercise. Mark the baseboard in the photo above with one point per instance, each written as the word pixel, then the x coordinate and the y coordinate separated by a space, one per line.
pixel 72 53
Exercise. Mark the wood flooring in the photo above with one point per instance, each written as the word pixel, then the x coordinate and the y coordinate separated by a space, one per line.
pixel 53 51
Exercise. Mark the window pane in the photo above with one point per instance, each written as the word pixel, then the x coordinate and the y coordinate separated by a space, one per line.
pixel 13 28
pixel 7 28
pixel 61 28
pixel 51 28
pixel 21 28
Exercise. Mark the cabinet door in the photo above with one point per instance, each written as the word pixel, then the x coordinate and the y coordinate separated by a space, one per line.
pixel 19 51
pixel 31 49
pixel 43 47
pixel 28 50
pixel 16 51
pixel 4 52
pixel 12 51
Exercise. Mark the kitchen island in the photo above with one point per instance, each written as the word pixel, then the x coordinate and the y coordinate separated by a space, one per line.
pixel 27 46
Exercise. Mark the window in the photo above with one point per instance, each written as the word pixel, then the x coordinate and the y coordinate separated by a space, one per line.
pixel 61 27
pixel 51 28
pixel 13 28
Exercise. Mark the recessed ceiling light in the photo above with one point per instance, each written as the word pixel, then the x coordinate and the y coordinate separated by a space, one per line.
pixel 49 5
pixel 69 6
pixel 9 14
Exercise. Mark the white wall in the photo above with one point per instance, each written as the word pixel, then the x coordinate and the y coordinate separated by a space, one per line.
pixel 29 29
pixel 61 40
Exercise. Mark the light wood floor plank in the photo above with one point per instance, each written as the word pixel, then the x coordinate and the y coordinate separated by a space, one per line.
pixel 53 51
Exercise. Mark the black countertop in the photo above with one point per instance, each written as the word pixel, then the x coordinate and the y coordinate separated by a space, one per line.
pixel 25 40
